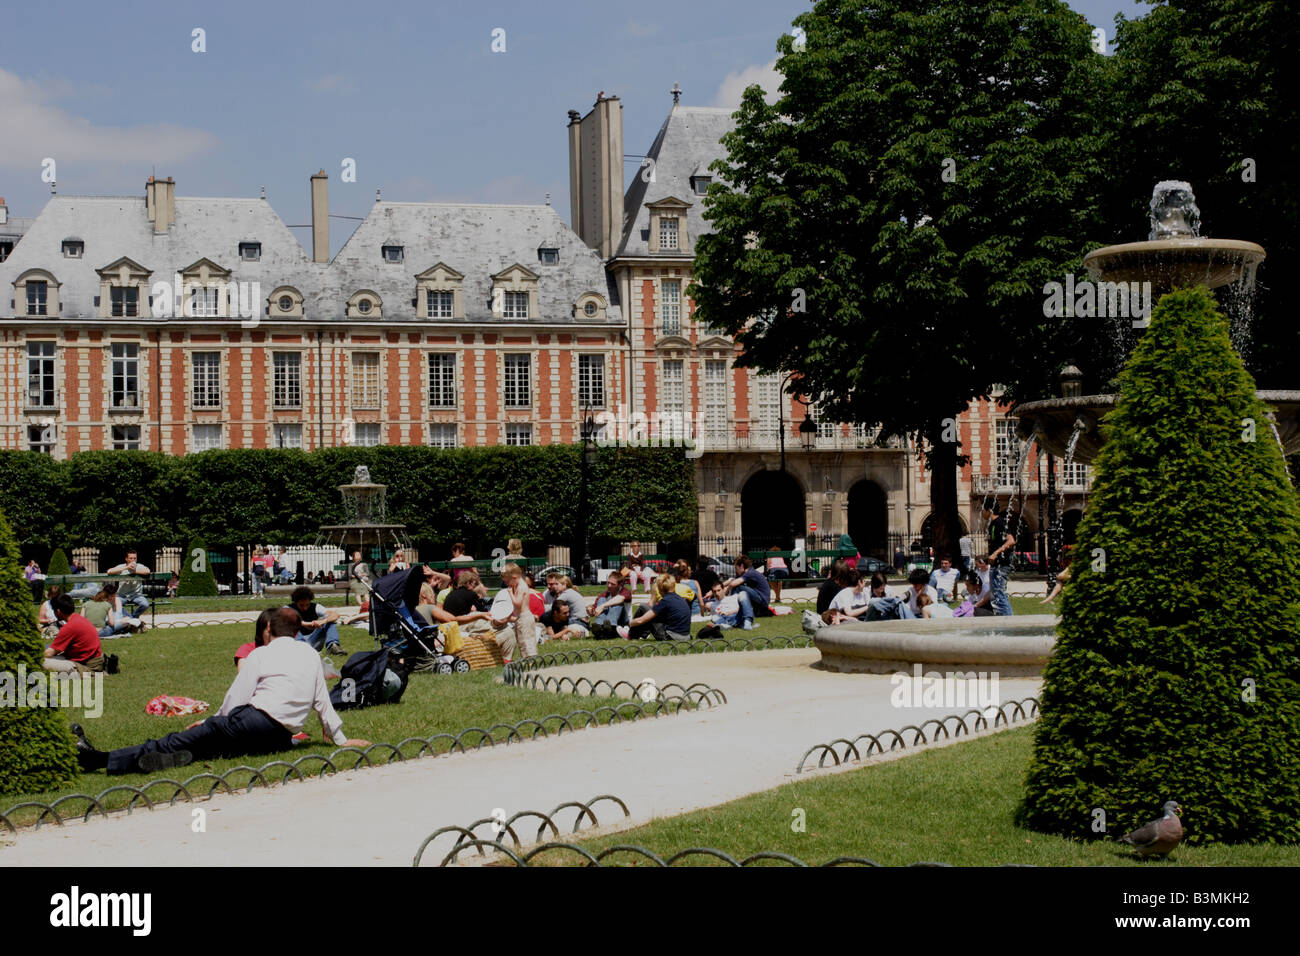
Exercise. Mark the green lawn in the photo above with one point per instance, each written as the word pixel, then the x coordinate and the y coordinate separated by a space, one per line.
pixel 951 805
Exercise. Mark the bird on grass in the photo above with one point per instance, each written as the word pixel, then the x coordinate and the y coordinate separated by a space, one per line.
pixel 1159 837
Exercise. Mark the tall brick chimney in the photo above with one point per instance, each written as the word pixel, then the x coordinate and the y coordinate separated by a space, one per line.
pixel 320 217
pixel 596 174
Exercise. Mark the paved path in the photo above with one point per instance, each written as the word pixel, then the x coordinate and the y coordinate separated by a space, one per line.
pixel 779 705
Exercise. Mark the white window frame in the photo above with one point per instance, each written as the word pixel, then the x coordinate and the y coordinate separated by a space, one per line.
pixel 1006 448
pixel 37 304
pixel 205 380
pixel 672 400
pixel 511 387
pixel 125 442
pixel 519 434
pixel 125 388
pixel 591 381
pixel 44 441
pixel 442 434
pixel 41 369
pixel 287 434
pixel 669 234
pixel 373 434
pixel 670 306
pixel 206 442
pixel 514 305
pixel 205 301
pixel 716 411
pixel 446 303
pixel 442 379
pixel 367 387
pixel 286 379
pixel 765 394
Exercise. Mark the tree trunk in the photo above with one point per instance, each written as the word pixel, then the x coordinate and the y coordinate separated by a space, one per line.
pixel 945 524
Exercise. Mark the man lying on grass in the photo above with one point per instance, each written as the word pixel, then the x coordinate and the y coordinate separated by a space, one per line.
pixel 276 689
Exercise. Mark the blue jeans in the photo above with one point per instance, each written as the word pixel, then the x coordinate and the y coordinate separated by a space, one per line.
pixel 319 637
pixel 615 615
pixel 887 608
pixel 750 601
pixel 137 601
pixel 998 586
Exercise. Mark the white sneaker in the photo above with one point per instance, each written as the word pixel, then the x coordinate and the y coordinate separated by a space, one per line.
pixel 623 632
pixel 750 626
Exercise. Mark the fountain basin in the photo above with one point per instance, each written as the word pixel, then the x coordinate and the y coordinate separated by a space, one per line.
pixel 1009 646
pixel 1182 261
pixel 1052 421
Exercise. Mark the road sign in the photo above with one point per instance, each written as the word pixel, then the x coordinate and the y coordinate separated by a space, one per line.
pixel 813 526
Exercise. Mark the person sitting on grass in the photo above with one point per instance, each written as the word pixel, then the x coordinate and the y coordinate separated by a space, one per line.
pixel 102 611
pixel 465 603
pixel 668 620
pixel 853 601
pixel 560 589
pixel 49 621
pixel 776 571
pixel 837 579
pixel 460 611
pixel 753 591
pixel 611 608
pixel 687 586
pixel 559 625
pixel 932 608
pixel 918 584
pixel 319 627
pixel 275 690
pixel 513 625
pixel 76 647
pixel 704 575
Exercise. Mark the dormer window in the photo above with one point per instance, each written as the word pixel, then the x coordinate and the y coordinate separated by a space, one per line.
pixel 286 303
pixel 73 248
pixel 124 301
pixel 515 305
pixel 700 184
pixel 668 233
pixel 250 251
pixel 590 310
pixel 364 306
pixel 514 293
pixel 548 255
pixel 393 253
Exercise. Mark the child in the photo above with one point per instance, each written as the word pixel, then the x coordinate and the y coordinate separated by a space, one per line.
pixel 513 624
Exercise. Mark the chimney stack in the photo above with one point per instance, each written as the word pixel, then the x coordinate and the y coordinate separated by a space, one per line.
pixel 320 218
pixel 4 211
pixel 596 175
pixel 160 203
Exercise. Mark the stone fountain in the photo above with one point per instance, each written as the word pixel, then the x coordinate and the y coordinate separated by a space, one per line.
pixel 1174 255
pixel 365 519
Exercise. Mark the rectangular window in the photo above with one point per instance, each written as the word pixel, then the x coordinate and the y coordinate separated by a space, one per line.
pixel 40 374
pixel 203 301
pixel 1074 475
pixel 126 375
pixel 715 403
pixel 6 248
pixel 288 436
pixel 366 434
pixel 37 294
pixel 73 248
pixel 126 437
pixel 667 233
pixel 124 301
pixel 516 305
pixel 250 251
pixel 519 434
pixel 548 256
pixel 670 306
pixel 393 253
pixel 205 369
pixel 442 435
pixel 365 379
pixel 672 408
pixel 1007 447
pixel 766 392
pixel 440 304
pixel 206 437
pixel 40 438
pixel 591 381
pixel 287 381
pixel 442 380
pixel 518 381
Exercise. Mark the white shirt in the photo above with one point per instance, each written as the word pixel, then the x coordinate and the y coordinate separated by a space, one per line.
pixel 503 606
pixel 945 581
pixel 848 599
pixel 966 545
pixel 984 580
pixel 912 595
pixel 284 680
pixel 939 610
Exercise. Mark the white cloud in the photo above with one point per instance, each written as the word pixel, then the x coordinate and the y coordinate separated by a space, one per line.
pixel 34 128
pixel 734 84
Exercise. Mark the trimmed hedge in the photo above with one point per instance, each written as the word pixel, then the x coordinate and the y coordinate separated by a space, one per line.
pixel 36 750
pixel 200 581
pixel 233 497
pixel 59 563
pixel 1175 674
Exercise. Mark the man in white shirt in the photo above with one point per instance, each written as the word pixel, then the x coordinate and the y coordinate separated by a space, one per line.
pixel 967 547
pixel 944 579
pixel 918 584
pixel 133 596
pixel 276 689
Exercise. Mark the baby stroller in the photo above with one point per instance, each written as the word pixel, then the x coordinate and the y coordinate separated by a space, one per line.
pixel 399 628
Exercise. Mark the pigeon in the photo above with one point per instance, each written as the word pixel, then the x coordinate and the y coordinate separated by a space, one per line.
pixel 1159 837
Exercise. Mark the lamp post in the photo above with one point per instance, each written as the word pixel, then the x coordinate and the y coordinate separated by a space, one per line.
pixel 807 428
pixel 588 435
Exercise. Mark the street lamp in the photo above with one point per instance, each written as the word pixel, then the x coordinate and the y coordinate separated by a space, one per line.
pixel 807 428
pixel 587 433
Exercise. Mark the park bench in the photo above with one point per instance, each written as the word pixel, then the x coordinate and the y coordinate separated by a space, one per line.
pixel 657 561
pixel 815 563
pixel 152 584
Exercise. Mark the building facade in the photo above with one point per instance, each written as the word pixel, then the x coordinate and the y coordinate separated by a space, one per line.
pixel 181 324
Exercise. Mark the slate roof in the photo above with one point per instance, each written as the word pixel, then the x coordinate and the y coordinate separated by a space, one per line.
pixel 117 226
pixel 477 240
pixel 689 140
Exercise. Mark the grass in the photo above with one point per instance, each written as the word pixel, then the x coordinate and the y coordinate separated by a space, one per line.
pixel 953 805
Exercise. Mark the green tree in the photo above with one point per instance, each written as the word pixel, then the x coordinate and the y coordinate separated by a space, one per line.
pixel 59 563
pixel 196 577
pixel 886 227
pixel 1169 681
pixel 36 750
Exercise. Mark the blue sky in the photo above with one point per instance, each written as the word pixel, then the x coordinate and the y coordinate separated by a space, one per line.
pixel 412 91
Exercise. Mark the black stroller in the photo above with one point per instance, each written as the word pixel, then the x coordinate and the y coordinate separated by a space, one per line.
pixel 399 627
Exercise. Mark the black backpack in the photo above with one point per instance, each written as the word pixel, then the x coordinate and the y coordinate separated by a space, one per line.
pixel 362 681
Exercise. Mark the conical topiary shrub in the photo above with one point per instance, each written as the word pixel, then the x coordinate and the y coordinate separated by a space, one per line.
pixel 196 577
pixel 59 563
pixel 36 750
pixel 1175 671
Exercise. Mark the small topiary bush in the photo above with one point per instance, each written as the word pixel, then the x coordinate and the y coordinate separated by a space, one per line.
pixel 196 577
pixel 1175 675
pixel 59 563
pixel 36 750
